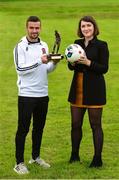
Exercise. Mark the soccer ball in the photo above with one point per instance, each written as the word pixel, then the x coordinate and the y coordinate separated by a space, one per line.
pixel 73 52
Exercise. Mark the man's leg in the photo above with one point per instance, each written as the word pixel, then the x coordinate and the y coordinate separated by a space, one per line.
pixel 39 118
pixel 25 108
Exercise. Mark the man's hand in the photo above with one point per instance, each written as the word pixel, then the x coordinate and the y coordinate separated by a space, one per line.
pixel 44 59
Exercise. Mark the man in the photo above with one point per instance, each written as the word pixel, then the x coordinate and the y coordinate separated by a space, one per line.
pixel 32 67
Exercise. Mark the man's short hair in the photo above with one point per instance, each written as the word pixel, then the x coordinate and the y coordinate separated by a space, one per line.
pixel 32 19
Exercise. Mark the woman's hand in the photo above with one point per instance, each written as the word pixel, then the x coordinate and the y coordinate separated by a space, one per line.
pixel 84 60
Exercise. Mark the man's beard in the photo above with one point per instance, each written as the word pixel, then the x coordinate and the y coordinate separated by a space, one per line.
pixel 34 36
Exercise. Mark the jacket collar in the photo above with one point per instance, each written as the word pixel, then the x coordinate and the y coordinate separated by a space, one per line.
pixel 91 41
pixel 29 42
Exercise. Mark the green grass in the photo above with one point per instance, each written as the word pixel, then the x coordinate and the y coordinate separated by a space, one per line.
pixel 62 15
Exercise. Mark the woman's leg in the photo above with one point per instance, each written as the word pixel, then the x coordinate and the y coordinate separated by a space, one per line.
pixel 77 115
pixel 95 116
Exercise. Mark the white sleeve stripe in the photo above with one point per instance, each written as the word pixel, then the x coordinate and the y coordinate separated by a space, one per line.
pixel 25 68
pixel 16 55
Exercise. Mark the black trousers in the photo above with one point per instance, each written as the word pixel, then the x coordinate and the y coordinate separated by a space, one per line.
pixel 29 107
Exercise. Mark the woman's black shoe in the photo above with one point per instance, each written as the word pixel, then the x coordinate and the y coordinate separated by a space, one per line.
pixel 74 159
pixel 96 162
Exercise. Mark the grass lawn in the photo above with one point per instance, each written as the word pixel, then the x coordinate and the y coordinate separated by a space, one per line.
pixel 62 15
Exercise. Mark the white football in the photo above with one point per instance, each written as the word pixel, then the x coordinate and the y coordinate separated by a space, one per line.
pixel 73 52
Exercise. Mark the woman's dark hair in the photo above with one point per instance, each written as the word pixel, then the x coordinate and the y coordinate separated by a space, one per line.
pixel 87 19
pixel 32 19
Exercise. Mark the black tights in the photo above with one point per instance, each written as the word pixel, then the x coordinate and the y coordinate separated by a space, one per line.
pixel 77 115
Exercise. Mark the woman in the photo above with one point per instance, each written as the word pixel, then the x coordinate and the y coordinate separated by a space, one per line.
pixel 88 91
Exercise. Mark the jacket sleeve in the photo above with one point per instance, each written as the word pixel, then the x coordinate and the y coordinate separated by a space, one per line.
pixel 70 66
pixel 101 66
pixel 22 65
pixel 51 66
